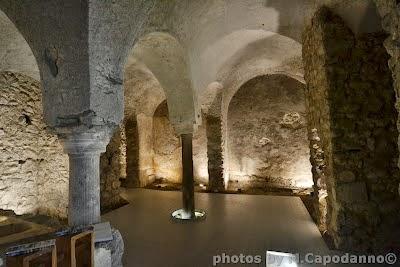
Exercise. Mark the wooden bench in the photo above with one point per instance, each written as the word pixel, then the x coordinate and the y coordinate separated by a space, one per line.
pixel 67 248
pixel 46 257
pixel 76 250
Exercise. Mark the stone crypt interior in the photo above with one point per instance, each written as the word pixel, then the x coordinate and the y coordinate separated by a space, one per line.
pixel 196 128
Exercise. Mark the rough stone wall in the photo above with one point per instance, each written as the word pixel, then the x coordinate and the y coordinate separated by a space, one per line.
pixel 214 153
pixel 15 53
pixel 122 148
pixel 132 152
pixel 351 105
pixel 317 159
pixel 390 13
pixel 110 173
pixel 267 135
pixel 200 158
pixel 167 150
pixel 34 170
pixel 146 158
pixel 139 150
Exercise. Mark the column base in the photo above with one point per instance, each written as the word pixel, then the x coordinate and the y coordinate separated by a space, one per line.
pixel 181 215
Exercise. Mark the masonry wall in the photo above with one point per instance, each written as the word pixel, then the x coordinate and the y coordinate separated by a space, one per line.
pixel 138 151
pixel 351 104
pixel 267 135
pixel 111 168
pixel 167 148
pixel 132 152
pixel 214 152
pixel 33 168
pixel 390 14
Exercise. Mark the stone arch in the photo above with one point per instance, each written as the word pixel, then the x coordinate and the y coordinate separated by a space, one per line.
pixel 269 146
pixel 42 162
pixel 159 60
pixel 264 53
pixel 216 115
pixel 16 54
pixel 79 108
pixel 150 136
pixel 234 86
pixel 167 60
pixel 143 94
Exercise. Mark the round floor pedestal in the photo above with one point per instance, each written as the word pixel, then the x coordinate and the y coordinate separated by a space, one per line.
pixel 181 215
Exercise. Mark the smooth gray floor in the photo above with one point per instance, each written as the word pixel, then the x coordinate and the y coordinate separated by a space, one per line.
pixel 247 224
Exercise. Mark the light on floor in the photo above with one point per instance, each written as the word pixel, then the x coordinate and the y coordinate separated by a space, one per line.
pixel 3 219
pixel 185 216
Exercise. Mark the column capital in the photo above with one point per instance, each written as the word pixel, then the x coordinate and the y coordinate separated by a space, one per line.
pixel 185 128
pixel 88 142
pixel 84 147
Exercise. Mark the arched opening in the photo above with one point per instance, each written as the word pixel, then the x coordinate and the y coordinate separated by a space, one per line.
pixel 149 125
pixel 15 52
pixel 248 64
pixel 267 136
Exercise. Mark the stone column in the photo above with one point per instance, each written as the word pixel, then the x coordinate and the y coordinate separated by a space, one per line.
pixel 188 177
pixel 214 154
pixel 84 151
pixel 188 211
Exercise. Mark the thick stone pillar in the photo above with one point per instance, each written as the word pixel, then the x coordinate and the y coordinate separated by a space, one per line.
pixel 84 151
pixel 214 154
pixel 188 176
pixel 145 150
pixel 351 106
pixel 132 153
pixel 139 151
pixel 111 172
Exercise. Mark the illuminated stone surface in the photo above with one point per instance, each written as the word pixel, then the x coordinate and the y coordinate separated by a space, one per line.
pixel 195 57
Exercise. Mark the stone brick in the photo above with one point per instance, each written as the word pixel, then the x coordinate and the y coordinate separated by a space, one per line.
pixel 352 192
pixel 34 169
pixel 351 105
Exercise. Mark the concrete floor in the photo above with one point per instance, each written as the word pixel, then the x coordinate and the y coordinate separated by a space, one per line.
pixel 235 224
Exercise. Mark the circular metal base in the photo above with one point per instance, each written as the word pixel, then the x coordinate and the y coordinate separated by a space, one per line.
pixel 181 215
